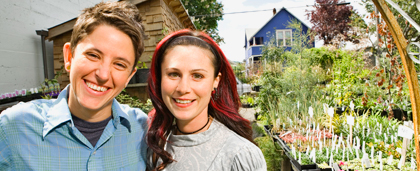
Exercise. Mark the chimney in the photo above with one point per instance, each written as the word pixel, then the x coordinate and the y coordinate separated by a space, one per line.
pixel 274 11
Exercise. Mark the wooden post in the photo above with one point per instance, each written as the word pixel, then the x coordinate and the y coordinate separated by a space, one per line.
pixel 409 69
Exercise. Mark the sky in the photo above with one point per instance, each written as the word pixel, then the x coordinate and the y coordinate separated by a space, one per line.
pixel 232 27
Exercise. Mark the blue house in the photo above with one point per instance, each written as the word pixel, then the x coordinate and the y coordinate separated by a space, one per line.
pixel 276 28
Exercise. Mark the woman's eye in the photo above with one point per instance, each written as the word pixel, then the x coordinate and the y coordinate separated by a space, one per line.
pixel 121 65
pixel 93 55
pixel 173 74
pixel 197 76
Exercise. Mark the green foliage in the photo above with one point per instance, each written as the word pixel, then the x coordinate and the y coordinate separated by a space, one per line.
pixel 289 77
pixel 349 74
pixel 271 151
pixel 206 14
pixel 131 101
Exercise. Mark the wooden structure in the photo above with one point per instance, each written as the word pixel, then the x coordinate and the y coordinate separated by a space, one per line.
pixel 409 69
pixel 160 17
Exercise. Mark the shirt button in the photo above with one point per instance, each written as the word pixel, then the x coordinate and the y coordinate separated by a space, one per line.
pixel 94 152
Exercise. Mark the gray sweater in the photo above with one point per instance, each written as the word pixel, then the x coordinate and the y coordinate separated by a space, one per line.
pixel 217 149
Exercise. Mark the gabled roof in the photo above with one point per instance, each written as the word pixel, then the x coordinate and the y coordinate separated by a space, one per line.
pixel 251 31
pixel 275 16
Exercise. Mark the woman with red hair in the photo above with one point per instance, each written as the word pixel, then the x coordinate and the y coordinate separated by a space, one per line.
pixel 195 124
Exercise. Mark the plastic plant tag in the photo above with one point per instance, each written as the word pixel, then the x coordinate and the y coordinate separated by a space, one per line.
pixel 36 90
pixel 311 111
pixel 350 120
pixel 352 105
pixel 17 92
pixel 327 152
pixel 381 165
pixel 365 160
pixel 294 151
pixel 325 107
pixel 405 132
pixel 400 163
pixel 307 150
pixel 14 94
pixel 331 111
pixel 372 152
pixel 398 150
pixel 313 155
pixel 320 145
pixel 390 159
pixel 23 92
pixel 298 105
pixel 357 153
pixel 336 167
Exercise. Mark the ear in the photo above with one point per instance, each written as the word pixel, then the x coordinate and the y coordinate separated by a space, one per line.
pixel 217 80
pixel 67 56
pixel 131 75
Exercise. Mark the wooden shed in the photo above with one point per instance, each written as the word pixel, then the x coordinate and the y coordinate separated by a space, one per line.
pixel 160 17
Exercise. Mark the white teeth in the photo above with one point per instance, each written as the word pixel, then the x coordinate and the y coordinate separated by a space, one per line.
pixel 183 101
pixel 96 87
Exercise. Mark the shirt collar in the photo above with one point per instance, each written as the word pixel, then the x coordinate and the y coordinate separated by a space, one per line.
pixel 60 113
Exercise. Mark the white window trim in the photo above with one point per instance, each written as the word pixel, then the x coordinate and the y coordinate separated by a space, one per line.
pixel 284 36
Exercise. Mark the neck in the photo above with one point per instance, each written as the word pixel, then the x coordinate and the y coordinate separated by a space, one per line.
pixel 183 130
pixel 87 114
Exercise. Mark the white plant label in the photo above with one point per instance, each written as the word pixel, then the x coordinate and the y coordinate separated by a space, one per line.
pixel 405 132
pixel 390 159
pixel 298 105
pixel 365 160
pixel 350 120
pixel 331 111
pixel 352 105
pixel 372 151
pixel 311 111
pixel 300 158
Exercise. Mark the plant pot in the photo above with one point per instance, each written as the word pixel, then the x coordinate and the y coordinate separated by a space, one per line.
pixel 142 75
pixel 246 105
pixel 256 88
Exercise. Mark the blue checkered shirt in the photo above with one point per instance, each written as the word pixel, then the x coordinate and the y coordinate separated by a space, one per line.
pixel 40 135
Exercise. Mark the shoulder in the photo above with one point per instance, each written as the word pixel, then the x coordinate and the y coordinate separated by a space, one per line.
pixel 26 110
pixel 244 154
pixel 133 114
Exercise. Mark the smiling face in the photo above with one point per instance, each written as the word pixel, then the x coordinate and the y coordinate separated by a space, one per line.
pixel 100 68
pixel 187 82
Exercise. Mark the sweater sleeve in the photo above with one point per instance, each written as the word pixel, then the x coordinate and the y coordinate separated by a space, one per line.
pixel 250 158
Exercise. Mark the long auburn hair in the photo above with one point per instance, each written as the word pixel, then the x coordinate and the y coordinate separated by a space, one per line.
pixel 224 108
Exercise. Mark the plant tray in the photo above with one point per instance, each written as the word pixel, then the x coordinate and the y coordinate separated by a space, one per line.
pixel 297 167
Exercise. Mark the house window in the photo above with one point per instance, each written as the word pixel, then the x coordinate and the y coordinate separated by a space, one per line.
pixel 256 41
pixel 284 37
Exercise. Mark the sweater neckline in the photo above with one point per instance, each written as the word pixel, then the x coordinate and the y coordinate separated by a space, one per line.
pixel 195 139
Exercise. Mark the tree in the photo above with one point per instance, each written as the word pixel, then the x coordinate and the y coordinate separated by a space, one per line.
pixel 330 20
pixel 409 7
pixel 205 15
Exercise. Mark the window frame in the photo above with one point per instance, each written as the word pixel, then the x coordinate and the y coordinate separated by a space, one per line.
pixel 283 32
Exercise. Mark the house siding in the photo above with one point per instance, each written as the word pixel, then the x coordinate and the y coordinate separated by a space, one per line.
pixel 268 31
pixel 21 61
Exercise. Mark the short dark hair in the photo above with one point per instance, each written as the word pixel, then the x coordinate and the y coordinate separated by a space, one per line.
pixel 121 15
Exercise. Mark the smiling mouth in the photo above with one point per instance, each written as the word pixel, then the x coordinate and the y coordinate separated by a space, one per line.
pixel 183 101
pixel 96 87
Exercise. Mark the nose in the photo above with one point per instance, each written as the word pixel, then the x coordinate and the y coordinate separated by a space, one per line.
pixel 103 73
pixel 183 86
